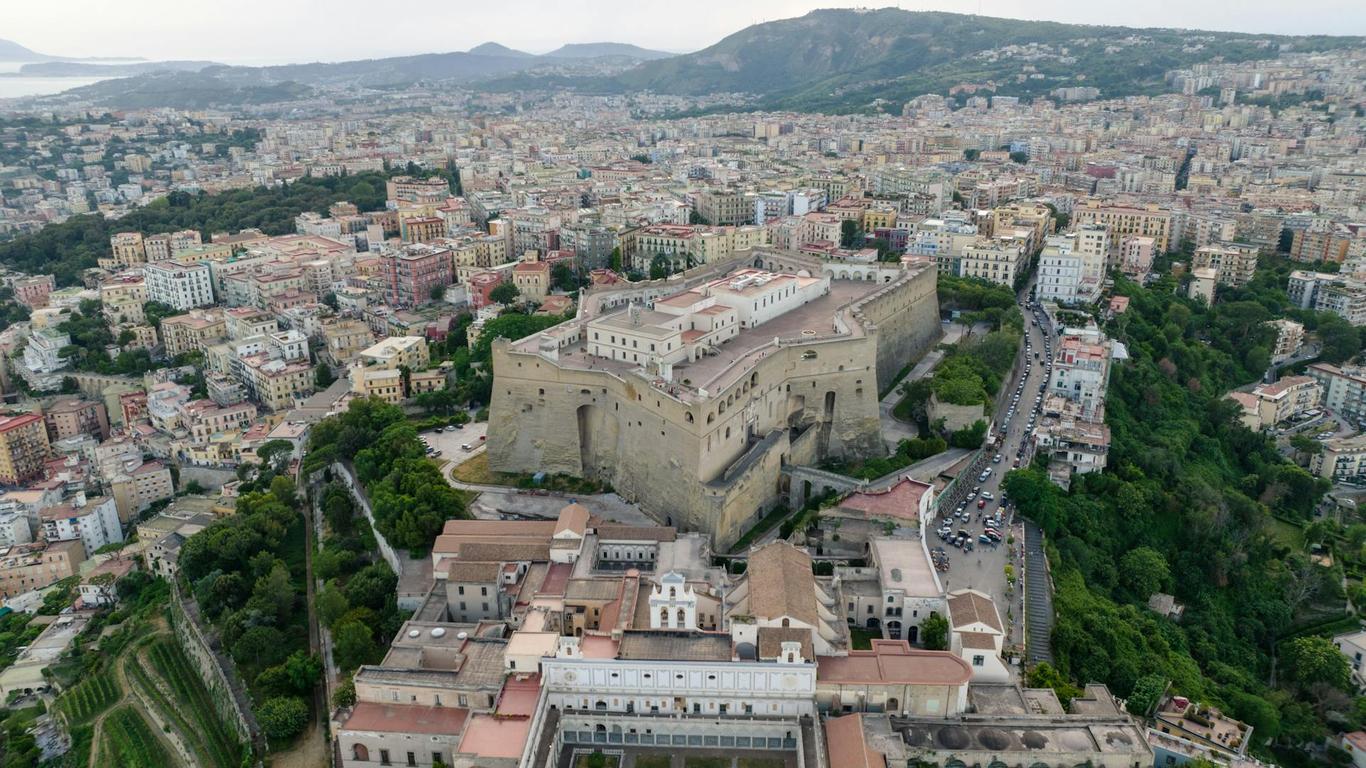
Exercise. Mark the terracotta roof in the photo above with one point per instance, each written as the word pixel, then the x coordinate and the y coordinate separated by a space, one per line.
pixel 781 583
pixel 406 718
pixel 901 500
pixel 613 532
pixel 894 662
pixel 978 640
pixel 847 746
pixel 501 553
pixel 573 518
pixel 458 571
pixel 488 736
pixel 968 607
pixel 771 641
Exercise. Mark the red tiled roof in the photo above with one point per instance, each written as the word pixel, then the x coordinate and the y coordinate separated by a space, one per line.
pixel 894 662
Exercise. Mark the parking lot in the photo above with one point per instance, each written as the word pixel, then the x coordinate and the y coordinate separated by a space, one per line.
pixel 449 444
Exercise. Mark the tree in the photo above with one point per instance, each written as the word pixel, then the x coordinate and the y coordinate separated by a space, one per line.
pixel 934 632
pixel 332 604
pixel 353 645
pixel 504 293
pixel 562 277
pixel 614 260
pixel 1312 660
pixel 282 717
pixel 1306 445
pixel 1145 695
pixel 322 376
pixel 1019 157
pixel 850 234
pixel 1143 571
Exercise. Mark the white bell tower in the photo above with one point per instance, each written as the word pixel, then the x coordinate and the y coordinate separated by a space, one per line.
pixel 673 604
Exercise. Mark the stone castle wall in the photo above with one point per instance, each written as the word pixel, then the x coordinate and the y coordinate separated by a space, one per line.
pixel 711 464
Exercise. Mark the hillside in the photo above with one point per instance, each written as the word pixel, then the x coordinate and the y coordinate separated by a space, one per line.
pixel 600 50
pixel 842 60
pixel 12 51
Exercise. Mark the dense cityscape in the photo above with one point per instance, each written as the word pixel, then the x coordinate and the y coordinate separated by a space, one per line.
pixel 541 411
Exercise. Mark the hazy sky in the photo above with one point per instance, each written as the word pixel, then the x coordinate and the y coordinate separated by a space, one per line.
pixel 262 31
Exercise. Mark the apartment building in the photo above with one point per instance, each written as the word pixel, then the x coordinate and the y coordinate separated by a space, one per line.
pixel 1124 221
pixel 1289 339
pixel 722 207
pixel 26 567
pixel 421 229
pixel 999 260
pixel 1344 389
pixel 33 291
pixel 1136 256
pixel 71 417
pixel 23 447
pixel 1072 266
pixel 397 352
pixel 343 340
pixel 1343 459
pixel 412 273
pixel 1235 264
pixel 276 384
pixel 133 492
pixel 126 249
pixel 94 521
pixel 1202 284
pixel 1036 218
pixel 194 331
pixel 183 286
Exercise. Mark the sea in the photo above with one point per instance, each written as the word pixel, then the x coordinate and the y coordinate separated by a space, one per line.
pixel 14 87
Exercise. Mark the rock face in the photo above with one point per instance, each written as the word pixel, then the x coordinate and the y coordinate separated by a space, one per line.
pixel 712 461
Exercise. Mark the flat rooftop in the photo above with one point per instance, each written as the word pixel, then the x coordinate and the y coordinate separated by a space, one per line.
pixel 710 372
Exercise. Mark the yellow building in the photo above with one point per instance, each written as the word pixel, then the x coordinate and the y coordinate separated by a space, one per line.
pixel 125 250
pixel 1123 221
pixel 382 383
pixel 194 330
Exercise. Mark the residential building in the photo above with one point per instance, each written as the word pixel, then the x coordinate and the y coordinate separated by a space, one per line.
pixel 397 352
pixel 1352 645
pixel 1123 221
pixel 998 260
pixel 70 417
pixel 1202 284
pixel 724 207
pixel 193 331
pixel 94 521
pixel 126 250
pixel 414 272
pixel 1235 264
pixel 1289 339
pixel 1136 256
pixel 23 447
pixel 183 286
pixel 26 567
pixel 977 635
pixel 1344 389
pixel 1343 459
pixel 136 490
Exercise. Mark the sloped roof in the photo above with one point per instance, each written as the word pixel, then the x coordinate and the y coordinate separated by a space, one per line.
pixel 781 583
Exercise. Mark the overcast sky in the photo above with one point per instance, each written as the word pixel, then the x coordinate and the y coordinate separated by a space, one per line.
pixel 267 31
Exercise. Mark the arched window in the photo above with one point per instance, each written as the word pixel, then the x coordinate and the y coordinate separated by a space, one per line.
pixel 360 753
pixel 786 623
pixel 663 616
pixel 673 592
pixel 682 618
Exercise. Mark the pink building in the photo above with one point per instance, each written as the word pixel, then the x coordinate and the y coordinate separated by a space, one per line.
pixel 33 291
pixel 480 285
pixel 413 272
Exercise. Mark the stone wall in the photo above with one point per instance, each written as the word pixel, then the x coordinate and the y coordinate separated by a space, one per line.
pixel 711 462
pixel 216 671
pixel 955 416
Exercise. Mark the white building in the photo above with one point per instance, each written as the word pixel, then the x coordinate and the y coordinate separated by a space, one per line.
pixel 183 286
pixel 977 636
pixel 94 521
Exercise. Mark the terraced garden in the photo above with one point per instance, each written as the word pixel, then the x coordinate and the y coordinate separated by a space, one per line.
pixel 87 700
pixel 163 673
pixel 126 741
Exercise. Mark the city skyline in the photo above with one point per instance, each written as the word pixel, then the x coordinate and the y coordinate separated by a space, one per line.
pixel 163 30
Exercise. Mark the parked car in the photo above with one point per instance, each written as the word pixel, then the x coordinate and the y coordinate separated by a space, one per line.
pixel 466 447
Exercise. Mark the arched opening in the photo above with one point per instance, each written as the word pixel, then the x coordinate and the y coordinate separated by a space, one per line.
pixel 787 623
pixel 682 618
pixel 873 622
pixel 360 753
pixel 673 592
pixel 892 705
pixel 894 629
pixel 663 617
pixel 600 706
pixel 913 634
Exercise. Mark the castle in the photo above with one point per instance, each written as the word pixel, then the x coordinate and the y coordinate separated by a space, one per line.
pixel 690 394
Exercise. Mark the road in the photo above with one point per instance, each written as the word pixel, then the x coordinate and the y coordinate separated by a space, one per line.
pixel 984 568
